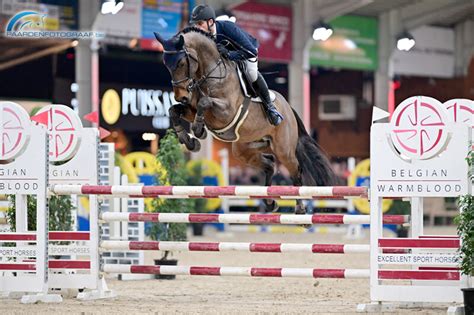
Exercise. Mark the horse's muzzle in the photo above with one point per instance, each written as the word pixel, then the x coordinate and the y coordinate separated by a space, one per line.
pixel 184 100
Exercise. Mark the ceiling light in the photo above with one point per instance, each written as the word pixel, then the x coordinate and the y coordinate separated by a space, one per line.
pixel 111 6
pixel 322 31
pixel 405 41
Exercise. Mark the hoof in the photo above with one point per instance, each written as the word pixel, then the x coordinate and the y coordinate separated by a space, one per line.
pixel 271 206
pixel 194 145
pixel 199 131
pixel 300 210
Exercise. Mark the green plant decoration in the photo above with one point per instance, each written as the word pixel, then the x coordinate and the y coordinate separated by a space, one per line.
pixel 172 159
pixel 465 223
pixel 60 217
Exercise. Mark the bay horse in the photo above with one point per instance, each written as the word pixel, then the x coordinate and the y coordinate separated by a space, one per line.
pixel 210 95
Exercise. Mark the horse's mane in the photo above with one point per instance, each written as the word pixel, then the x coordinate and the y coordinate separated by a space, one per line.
pixel 196 30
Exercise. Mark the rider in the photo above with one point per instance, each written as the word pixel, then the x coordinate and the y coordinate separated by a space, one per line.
pixel 204 17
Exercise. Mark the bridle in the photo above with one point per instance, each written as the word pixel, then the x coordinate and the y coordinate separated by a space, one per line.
pixel 192 84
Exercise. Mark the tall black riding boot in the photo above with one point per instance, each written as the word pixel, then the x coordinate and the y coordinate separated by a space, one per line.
pixel 274 116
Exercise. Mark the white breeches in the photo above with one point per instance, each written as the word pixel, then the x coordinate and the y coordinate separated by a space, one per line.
pixel 252 69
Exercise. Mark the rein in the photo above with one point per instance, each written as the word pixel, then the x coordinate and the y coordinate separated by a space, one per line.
pixel 195 83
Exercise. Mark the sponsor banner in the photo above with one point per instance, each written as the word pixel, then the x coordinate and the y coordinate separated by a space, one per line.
pixel 166 17
pixel 136 109
pixel 68 13
pixel 28 251
pixel 419 132
pixel 432 55
pixel 53 250
pixel 271 25
pixel 353 45
pixel 448 259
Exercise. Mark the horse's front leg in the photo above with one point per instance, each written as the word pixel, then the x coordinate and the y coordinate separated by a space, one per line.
pixel 177 112
pixel 198 126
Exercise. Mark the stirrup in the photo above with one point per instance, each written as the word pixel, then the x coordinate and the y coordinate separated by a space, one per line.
pixel 274 117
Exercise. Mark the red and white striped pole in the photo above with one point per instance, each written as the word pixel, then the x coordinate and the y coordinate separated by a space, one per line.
pixel 240 271
pixel 234 246
pixel 282 192
pixel 245 218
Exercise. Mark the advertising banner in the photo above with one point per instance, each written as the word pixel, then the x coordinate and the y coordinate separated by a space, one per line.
pixel 134 108
pixel 271 25
pixel 353 44
pixel 163 16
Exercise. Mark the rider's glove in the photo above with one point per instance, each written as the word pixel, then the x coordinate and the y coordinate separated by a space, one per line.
pixel 223 51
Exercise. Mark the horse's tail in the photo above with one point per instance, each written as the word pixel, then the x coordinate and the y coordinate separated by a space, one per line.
pixel 314 165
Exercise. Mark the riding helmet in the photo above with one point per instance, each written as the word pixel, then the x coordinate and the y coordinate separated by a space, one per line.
pixel 202 12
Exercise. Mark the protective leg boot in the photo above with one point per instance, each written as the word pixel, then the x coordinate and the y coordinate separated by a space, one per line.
pixel 273 115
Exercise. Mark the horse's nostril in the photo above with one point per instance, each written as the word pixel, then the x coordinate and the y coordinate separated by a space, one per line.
pixel 184 100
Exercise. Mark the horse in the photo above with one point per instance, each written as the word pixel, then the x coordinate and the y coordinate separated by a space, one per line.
pixel 211 97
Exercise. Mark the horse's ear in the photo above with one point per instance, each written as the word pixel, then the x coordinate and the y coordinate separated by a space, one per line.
pixel 180 42
pixel 158 37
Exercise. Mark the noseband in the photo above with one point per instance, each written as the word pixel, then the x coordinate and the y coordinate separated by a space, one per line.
pixel 192 83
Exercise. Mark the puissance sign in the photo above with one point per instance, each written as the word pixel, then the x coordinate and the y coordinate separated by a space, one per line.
pixel 135 109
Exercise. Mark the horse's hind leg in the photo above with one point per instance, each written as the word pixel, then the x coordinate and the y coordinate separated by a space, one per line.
pixel 268 162
pixel 300 207
pixel 257 158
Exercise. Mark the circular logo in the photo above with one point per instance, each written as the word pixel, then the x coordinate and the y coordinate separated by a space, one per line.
pixel 361 177
pixel 461 110
pixel 418 127
pixel 63 130
pixel 14 124
pixel 110 107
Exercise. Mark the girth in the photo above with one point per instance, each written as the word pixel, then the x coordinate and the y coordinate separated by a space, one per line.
pixel 230 133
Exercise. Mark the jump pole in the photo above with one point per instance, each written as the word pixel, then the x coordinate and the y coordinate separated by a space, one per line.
pixel 243 247
pixel 283 192
pixel 235 246
pixel 249 218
